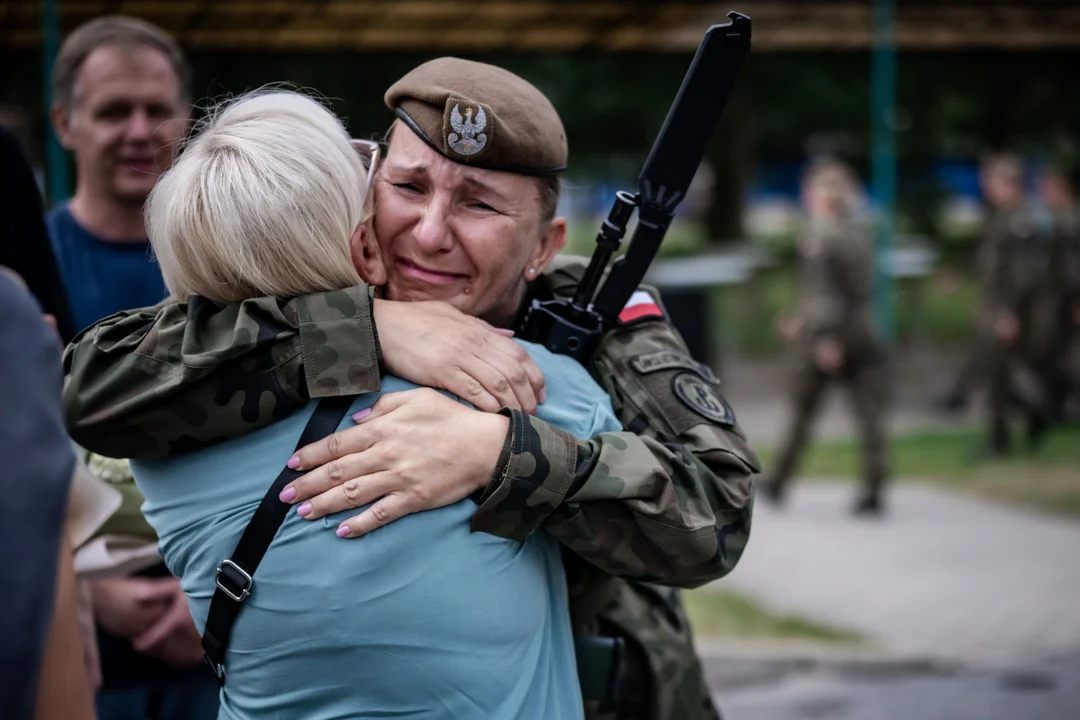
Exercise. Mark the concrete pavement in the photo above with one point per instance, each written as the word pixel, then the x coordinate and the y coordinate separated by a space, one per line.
pixel 1047 690
pixel 945 577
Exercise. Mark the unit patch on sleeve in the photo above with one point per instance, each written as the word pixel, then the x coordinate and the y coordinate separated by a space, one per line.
pixel 700 397
pixel 640 306
pixel 669 360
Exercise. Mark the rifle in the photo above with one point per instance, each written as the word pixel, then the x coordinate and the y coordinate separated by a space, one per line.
pixel 574 327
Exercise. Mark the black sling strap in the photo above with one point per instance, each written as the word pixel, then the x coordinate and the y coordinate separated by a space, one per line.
pixel 234 577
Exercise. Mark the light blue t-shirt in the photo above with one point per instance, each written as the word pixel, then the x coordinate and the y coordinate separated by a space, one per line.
pixel 418 619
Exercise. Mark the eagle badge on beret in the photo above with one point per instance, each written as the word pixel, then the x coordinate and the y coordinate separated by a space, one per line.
pixel 467 136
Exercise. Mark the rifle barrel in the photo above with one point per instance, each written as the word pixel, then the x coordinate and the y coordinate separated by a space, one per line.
pixel 607 242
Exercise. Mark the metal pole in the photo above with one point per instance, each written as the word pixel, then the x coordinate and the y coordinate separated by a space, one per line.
pixel 55 157
pixel 883 183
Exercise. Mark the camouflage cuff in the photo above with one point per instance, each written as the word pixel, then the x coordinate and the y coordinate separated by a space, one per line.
pixel 375 331
pixel 501 465
pixel 536 479
pixel 337 341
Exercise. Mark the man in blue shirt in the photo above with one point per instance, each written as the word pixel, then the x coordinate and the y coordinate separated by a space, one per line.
pixel 102 276
pixel 121 106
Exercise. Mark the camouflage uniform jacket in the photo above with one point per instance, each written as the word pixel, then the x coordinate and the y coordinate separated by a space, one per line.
pixel 667 501
pixel 1066 228
pixel 835 278
pixel 1004 264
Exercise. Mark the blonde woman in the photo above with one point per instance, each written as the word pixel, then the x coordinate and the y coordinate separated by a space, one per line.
pixel 833 330
pixel 421 619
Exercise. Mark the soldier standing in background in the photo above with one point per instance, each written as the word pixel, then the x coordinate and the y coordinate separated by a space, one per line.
pixel 1001 182
pixel 1062 291
pixel 1009 269
pixel 833 329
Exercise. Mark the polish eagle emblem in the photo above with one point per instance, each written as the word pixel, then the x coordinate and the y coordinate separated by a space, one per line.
pixel 468 137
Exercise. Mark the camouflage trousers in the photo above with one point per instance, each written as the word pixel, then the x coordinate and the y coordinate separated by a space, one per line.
pixel 1031 380
pixel 867 384
pixel 1049 357
pixel 661 675
pixel 975 366
pixel 1014 388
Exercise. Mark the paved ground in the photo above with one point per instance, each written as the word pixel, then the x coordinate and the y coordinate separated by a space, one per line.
pixel 943 576
pixel 972 609
pixel 1048 690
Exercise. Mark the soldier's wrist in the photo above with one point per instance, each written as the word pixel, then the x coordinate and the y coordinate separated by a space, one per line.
pixel 375 333
pixel 502 464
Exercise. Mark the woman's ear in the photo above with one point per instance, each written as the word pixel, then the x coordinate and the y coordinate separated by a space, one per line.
pixel 367 255
pixel 551 243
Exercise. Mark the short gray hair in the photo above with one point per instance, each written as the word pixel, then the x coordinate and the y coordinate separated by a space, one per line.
pixel 263 201
pixel 114 30
pixel 550 189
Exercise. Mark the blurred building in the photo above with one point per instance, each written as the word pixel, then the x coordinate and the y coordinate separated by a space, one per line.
pixel 973 75
pixel 561 25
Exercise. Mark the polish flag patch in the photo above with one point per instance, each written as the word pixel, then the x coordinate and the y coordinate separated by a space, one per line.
pixel 640 306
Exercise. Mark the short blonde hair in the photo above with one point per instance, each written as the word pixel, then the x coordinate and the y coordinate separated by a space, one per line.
pixel 838 183
pixel 1005 167
pixel 263 201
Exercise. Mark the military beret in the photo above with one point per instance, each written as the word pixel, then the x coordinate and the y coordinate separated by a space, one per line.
pixel 482 116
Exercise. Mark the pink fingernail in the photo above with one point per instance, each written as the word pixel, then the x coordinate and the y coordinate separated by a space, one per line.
pixel 304 510
pixel 294 462
pixel 287 495
pixel 344 531
pixel 543 395
pixel 505 331
pixel 361 415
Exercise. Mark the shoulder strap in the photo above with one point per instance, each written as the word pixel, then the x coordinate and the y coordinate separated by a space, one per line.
pixel 235 575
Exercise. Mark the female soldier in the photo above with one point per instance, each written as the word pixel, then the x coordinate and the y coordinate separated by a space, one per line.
pixel 836 342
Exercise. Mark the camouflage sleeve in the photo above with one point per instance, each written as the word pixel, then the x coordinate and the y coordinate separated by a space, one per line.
pixel 178 376
pixel 1002 271
pixel 1068 228
pixel 847 265
pixel 1002 287
pixel 669 500
pixel 858 262
pixel 824 317
pixel 855 264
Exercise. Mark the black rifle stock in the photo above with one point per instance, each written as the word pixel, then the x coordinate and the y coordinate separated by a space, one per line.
pixel 573 327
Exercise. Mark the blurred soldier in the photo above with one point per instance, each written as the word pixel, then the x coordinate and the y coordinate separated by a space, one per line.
pixel 833 328
pixel 1010 266
pixel 1012 325
pixel 1060 297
